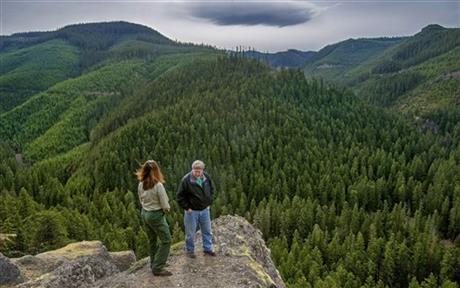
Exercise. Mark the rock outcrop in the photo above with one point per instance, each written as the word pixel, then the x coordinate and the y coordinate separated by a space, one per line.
pixel 9 272
pixel 242 260
pixel 123 259
pixel 75 265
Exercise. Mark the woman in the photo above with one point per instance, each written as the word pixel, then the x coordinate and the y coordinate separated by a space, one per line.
pixel 154 201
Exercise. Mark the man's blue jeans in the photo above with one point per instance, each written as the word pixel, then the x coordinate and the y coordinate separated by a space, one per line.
pixel 193 220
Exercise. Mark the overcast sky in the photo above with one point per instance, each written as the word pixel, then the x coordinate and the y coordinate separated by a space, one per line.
pixel 265 25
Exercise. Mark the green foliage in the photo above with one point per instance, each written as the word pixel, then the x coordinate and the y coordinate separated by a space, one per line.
pixel 432 41
pixel 146 50
pixel 26 71
pixel 386 89
pixel 142 245
pixel 47 230
pixel 333 61
pixel 33 62
pixel 418 75
pixel 439 91
pixel 64 116
pixel 286 59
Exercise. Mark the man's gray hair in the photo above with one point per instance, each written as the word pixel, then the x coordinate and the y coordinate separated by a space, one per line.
pixel 198 164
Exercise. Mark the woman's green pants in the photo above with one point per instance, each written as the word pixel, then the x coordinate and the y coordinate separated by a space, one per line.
pixel 156 228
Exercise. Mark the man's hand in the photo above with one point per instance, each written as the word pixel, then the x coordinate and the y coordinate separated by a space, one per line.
pixel 189 210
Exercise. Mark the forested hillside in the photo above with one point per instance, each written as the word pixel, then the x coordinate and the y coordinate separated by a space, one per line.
pixel 417 63
pixel 50 112
pixel 334 61
pixel 286 59
pixel 35 61
pixel 347 194
pixel 416 75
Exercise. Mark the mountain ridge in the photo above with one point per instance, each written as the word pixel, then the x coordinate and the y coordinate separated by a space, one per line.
pixel 98 28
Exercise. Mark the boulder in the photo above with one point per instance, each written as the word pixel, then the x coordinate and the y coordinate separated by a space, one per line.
pixel 10 273
pixel 123 259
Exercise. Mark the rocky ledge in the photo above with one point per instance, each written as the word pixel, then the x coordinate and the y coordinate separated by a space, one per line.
pixel 242 260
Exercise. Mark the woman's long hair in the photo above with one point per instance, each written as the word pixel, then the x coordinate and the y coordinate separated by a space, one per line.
pixel 150 174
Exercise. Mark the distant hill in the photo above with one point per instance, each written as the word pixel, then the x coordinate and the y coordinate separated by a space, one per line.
pixel 286 59
pixel 90 35
pixel 417 74
pixel 33 62
pixel 56 86
pixel 27 71
pixel 333 61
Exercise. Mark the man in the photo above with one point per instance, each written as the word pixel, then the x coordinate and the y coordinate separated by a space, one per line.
pixel 195 195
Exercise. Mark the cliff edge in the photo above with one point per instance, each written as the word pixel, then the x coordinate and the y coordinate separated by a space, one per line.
pixel 242 260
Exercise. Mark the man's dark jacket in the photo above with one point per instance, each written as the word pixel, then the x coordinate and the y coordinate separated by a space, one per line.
pixel 191 195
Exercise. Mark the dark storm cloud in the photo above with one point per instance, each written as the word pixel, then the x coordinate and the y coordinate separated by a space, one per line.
pixel 249 24
pixel 256 13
